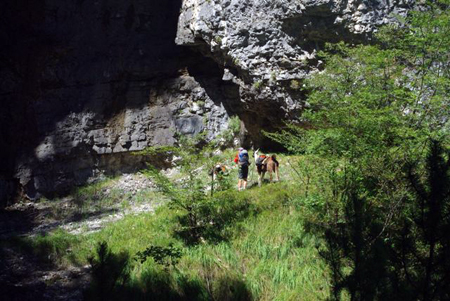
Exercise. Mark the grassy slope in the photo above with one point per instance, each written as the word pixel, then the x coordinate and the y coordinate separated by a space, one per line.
pixel 269 251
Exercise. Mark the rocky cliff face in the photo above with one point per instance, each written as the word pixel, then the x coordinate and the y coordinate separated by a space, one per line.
pixel 85 83
pixel 266 48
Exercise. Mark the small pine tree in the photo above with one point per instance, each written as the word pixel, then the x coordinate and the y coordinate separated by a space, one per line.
pixel 422 243
pixel 110 274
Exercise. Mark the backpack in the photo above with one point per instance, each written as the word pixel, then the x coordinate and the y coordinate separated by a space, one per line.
pixel 260 159
pixel 243 158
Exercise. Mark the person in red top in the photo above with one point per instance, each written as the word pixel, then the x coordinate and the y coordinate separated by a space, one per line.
pixel 236 158
pixel 243 162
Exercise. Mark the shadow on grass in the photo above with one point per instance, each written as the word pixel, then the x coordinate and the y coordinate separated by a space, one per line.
pixel 212 220
pixel 167 286
pixel 48 249
pixel 111 281
pixel 13 222
pixel 18 265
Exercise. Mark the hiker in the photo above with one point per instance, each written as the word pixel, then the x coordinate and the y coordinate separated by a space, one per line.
pixel 243 162
pixel 217 171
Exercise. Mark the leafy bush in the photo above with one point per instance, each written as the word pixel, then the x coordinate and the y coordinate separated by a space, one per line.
pixel 258 85
pixel 166 256
pixel 295 84
pixel 226 138
pixel 209 218
pixel 420 242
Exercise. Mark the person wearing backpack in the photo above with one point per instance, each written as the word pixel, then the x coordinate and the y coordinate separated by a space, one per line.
pixel 243 162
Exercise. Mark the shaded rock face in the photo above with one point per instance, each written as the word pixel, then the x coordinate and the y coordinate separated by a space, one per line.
pixel 268 47
pixel 83 146
pixel 86 83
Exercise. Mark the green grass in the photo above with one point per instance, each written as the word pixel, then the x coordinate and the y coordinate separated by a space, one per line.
pixel 272 254
pixel 269 252
pixel 269 255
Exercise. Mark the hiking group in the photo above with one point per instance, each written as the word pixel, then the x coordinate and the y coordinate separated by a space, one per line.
pixel 263 164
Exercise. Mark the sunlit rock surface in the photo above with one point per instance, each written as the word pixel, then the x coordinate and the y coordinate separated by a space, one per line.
pixel 268 47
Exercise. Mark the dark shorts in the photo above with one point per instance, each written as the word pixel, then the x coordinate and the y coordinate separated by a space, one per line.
pixel 243 172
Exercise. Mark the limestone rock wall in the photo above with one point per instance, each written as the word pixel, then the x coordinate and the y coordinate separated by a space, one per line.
pixel 267 47
pixel 86 83
pixel 83 84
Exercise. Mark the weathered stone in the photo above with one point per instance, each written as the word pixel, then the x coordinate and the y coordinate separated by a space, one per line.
pixel 268 43
pixel 87 83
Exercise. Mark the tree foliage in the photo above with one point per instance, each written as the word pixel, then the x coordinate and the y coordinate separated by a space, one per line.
pixel 110 274
pixel 372 114
pixel 202 216
pixel 421 244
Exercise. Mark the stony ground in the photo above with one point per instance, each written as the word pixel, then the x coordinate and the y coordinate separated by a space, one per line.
pixel 23 276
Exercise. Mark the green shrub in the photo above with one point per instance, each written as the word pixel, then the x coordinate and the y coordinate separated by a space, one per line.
pixel 370 113
pixel 110 274
pixel 295 84
pixel 200 217
pixel 166 256
pixel 210 219
pixel 233 130
pixel 273 76
pixel 258 85
pixel 218 39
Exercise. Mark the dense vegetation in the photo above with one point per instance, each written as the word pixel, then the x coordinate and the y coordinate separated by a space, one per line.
pixel 362 213
pixel 378 117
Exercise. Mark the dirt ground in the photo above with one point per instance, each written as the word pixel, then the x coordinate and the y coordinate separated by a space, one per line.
pixel 24 276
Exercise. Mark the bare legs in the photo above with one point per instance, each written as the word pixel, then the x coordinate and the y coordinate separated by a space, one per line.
pixel 242 184
pixel 243 174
